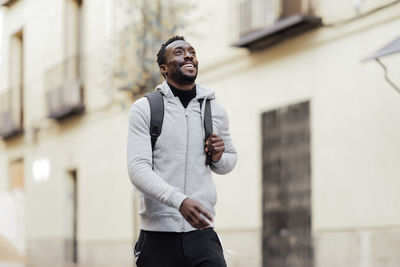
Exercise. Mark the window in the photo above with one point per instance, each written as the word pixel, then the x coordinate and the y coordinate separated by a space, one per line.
pixel 12 100
pixel 16 171
pixel 64 90
pixel 265 22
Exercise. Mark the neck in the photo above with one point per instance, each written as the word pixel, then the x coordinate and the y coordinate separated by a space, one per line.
pixel 182 86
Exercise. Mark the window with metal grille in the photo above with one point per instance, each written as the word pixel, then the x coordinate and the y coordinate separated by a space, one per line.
pixel 260 19
pixel 12 100
pixel 64 87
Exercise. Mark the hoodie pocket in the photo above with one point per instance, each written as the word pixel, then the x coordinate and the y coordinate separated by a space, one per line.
pixel 156 208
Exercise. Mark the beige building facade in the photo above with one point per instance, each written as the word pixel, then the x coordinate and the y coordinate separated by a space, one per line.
pixel 316 182
pixel 75 185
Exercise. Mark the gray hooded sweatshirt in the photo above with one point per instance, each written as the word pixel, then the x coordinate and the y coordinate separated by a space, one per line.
pixel 179 170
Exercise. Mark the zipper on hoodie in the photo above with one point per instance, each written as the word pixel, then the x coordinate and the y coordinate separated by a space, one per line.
pixel 186 159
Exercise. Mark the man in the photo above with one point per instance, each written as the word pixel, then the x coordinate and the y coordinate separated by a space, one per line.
pixel 177 191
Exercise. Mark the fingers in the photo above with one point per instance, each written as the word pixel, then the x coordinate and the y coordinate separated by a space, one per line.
pixel 196 214
pixel 218 147
pixel 214 144
pixel 205 214
pixel 215 148
pixel 213 138
pixel 217 144
pixel 198 220
pixel 192 220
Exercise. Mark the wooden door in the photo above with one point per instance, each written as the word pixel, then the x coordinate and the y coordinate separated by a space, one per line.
pixel 286 199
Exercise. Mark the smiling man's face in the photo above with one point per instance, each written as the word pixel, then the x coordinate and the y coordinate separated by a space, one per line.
pixel 181 63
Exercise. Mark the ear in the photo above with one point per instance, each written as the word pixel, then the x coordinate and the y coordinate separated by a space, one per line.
pixel 164 70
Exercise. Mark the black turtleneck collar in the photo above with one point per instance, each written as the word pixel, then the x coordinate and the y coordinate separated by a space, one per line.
pixel 185 96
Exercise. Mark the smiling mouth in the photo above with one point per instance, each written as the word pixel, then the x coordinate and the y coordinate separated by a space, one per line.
pixel 188 65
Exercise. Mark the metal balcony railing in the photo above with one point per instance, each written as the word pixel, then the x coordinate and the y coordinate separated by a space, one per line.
pixel 258 19
pixel 258 14
pixel 10 114
pixel 64 90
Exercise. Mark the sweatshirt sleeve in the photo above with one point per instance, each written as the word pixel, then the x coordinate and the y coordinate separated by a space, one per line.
pixel 229 157
pixel 139 159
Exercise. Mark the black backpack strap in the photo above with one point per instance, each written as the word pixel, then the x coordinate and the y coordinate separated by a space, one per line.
pixel 156 102
pixel 208 126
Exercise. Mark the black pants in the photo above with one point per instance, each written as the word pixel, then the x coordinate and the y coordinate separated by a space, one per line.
pixel 200 248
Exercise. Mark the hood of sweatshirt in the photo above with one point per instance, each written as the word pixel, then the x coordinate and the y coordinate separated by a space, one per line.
pixel 201 91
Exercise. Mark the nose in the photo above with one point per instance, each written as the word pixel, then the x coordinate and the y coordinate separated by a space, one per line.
pixel 188 55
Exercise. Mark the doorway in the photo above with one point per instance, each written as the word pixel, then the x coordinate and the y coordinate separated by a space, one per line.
pixel 286 199
pixel 71 244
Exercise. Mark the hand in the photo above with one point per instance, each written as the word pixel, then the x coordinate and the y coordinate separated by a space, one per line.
pixel 215 147
pixel 195 214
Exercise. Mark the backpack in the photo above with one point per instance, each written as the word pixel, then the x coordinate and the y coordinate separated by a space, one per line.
pixel 156 102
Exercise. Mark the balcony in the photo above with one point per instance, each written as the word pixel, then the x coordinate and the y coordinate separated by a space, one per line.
pixel 10 115
pixel 7 3
pixel 263 23
pixel 64 90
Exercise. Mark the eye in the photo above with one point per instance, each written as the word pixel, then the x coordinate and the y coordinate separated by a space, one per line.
pixel 178 52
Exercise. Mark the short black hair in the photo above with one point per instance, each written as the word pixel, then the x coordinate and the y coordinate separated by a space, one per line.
pixel 161 59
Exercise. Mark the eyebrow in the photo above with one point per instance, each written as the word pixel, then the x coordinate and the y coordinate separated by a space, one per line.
pixel 181 47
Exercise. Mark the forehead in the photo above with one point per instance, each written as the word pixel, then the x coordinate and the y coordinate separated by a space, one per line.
pixel 178 43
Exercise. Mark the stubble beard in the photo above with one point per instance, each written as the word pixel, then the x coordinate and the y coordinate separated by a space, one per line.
pixel 183 78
